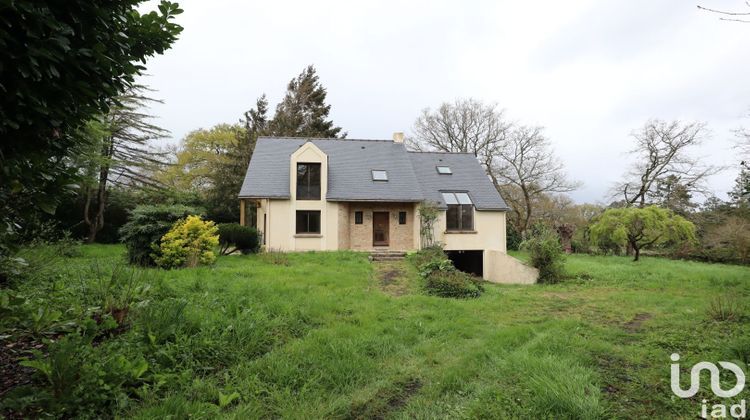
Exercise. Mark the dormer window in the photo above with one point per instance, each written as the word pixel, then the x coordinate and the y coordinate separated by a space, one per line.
pixel 444 170
pixel 308 181
pixel 460 213
pixel 379 175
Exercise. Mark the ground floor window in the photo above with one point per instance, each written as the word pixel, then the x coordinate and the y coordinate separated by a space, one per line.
pixel 402 218
pixel 308 221
pixel 358 217
pixel 251 215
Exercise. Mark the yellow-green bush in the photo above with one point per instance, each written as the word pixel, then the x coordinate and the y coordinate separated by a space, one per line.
pixel 189 243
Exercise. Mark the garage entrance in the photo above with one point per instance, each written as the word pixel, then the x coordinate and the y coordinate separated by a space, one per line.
pixel 468 261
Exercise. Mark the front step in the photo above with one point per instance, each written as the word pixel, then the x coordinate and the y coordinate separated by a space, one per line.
pixel 386 255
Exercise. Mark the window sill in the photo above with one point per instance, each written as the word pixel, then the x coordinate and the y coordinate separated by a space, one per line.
pixel 308 235
pixel 470 232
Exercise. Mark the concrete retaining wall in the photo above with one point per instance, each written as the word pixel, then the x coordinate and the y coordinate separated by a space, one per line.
pixel 500 267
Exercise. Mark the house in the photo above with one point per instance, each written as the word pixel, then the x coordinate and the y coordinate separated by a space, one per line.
pixel 332 194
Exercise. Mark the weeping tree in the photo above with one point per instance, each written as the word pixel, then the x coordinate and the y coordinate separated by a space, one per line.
pixel 640 228
pixel 122 154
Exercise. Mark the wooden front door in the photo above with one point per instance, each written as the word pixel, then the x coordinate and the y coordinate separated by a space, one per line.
pixel 380 228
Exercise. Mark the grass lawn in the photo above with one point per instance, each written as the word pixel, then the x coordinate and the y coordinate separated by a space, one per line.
pixel 331 335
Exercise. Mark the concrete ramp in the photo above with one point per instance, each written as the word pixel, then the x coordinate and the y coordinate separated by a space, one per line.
pixel 502 268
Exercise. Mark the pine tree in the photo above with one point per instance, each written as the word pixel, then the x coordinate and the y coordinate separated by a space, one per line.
pixel 303 112
pixel 740 194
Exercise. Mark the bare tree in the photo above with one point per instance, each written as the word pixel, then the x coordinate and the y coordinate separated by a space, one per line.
pixel 466 125
pixel 662 155
pixel 743 17
pixel 518 159
pixel 742 142
pixel 525 168
pixel 124 155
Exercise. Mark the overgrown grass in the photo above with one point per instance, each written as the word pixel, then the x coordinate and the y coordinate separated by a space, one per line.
pixel 317 335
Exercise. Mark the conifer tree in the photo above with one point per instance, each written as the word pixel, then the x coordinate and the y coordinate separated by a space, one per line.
pixel 303 112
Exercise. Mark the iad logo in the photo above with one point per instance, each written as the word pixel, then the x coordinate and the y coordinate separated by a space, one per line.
pixel 718 410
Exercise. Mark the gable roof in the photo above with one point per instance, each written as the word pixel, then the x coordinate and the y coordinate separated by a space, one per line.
pixel 412 176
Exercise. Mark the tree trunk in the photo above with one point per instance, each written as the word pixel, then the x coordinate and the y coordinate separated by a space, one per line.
pixel 96 223
pixel 527 216
pixel 636 253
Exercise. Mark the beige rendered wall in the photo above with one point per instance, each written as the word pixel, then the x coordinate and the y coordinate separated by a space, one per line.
pixel 280 228
pixel 400 237
pixel 488 233
pixel 500 267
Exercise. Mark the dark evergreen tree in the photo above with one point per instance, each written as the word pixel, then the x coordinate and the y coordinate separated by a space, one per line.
pixel 740 194
pixel 303 112
pixel 672 194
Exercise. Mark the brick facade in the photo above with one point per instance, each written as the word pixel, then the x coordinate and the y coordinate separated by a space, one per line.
pixel 359 237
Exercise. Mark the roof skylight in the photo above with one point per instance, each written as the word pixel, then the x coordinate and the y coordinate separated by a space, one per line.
pixel 444 170
pixel 451 198
pixel 379 175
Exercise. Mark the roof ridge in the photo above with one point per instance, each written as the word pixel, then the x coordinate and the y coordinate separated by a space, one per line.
pixel 320 138
pixel 441 153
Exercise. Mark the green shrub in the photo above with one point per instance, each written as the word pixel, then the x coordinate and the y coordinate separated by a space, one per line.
pixel 426 255
pixel 546 254
pixel 147 225
pixel 443 279
pixel 189 243
pixel 513 238
pixel 235 237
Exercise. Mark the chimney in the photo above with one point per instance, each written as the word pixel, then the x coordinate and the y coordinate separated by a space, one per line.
pixel 398 137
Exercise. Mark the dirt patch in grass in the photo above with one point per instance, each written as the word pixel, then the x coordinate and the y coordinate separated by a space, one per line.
pixel 393 277
pixel 634 325
pixel 11 373
pixel 386 401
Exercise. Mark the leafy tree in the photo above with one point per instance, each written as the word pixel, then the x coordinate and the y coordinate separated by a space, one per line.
pixel 303 112
pixel 199 156
pixel 68 60
pixel 641 227
pixel 208 163
pixel 123 154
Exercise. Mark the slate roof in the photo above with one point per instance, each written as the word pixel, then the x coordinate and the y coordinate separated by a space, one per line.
pixel 467 175
pixel 412 176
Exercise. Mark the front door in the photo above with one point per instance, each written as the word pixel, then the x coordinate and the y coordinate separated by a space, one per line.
pixel 380 228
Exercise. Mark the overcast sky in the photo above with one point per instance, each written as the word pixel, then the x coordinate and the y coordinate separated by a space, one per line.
pixel 588 71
